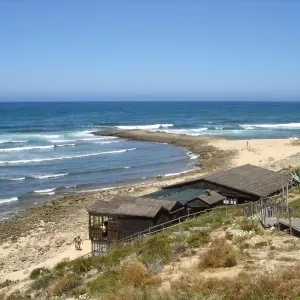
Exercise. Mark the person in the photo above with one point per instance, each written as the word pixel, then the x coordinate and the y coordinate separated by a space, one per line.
pixel 76 243
pixel 79 241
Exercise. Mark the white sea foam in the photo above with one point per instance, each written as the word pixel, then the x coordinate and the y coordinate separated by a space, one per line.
pixel 18 142
pixel 127 167
pixel 107 142
pixel 45 192
pixel 193 131
pixel 192 155
pixel 37 160
pixel 145 127
pixel 96 138
pixel 8 200
pixel 97 190
pixel 26 148
pixel 48 176
pixel 65 145
pixel 175 174
pixel 13 178
pixel 284 125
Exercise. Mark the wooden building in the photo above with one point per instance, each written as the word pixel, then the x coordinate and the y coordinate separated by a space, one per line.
pixel 118 217
pixel 240 184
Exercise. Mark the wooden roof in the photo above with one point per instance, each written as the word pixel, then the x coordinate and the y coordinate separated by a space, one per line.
pixel 248 178
pixel 130 206
pixel 211 198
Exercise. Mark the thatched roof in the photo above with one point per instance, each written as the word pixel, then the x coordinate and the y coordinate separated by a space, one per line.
pixel 250 179
pixel 130 206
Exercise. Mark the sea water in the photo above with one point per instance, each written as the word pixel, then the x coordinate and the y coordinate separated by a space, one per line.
pixel 47 149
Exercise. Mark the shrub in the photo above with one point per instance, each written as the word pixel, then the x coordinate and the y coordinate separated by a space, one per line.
pixel 219 255
pixel 156 247
pixel 113 256
pixel 60 267
pixel 82 265
pixel 248 224
pixel 198 238
pixel 64 284
pixel 42 282
pixel 35 273
pixel 135 273
pixel 105 282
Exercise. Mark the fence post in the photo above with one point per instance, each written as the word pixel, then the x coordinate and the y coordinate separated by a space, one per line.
pixel 290 221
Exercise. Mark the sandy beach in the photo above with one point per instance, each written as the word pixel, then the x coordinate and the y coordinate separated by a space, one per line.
pixel 43 236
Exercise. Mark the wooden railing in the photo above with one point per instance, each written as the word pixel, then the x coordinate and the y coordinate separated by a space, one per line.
pixel 208 213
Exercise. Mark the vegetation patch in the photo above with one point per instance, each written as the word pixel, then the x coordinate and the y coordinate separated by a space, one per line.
pixel 219 255
pixel 35 273
pixel 64 284
pixel 156 247
pixel 198 238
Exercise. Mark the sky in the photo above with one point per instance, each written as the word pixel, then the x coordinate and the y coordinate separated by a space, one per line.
pixel 158 47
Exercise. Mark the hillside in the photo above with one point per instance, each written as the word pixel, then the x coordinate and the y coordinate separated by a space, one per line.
pixel 223 256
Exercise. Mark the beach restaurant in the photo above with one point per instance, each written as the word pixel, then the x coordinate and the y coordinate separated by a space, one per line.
pixel 118 217
pixel 238 185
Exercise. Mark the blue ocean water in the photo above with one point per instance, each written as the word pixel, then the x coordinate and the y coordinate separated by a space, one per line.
pixel 46 149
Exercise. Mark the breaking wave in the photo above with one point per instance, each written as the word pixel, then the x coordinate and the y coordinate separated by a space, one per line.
pixel 48 176
pixel 37 160
pixel 283 126
pixel 179 173
pixel 65 145
pixel 8 200
pixel 145 127
pixel 27 148
pixel 12 178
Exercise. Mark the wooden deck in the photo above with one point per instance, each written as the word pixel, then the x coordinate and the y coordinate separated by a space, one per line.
pixel 284 223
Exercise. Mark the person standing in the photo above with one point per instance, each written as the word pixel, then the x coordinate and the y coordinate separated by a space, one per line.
pixel 79 241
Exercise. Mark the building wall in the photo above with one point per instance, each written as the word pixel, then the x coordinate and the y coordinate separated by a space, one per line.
pixel 130 225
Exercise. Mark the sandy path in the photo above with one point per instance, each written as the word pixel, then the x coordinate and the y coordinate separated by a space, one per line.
pixel 69 253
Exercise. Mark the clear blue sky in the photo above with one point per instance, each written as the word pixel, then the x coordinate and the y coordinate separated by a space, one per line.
pixel 110 47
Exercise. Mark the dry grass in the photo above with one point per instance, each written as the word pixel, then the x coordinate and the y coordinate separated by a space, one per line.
pixel 134 273
pixel 219 255
pixel 245 286
pixel 64 284
pixel 198 238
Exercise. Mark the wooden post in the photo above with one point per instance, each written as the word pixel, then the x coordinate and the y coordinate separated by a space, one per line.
pixel 277 217
pixel 290 221
pixel 287 194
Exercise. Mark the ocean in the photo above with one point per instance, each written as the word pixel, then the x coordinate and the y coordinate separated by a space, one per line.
pixel 47 151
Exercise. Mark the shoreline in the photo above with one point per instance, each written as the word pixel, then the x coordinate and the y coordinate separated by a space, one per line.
pixel 57 222
pixel 210 158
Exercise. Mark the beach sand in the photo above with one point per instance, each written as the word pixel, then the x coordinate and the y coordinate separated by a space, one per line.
pixel 43 236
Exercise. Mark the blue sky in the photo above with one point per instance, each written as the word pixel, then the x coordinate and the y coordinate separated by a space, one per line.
pixel 157 47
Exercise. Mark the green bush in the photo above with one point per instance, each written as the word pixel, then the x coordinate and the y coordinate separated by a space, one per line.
pixel 113 256
pixel 248 224
pixel 35 273
pixel 198 238
pixel 105 282
pixel 43 281
pixel 82 265
pixel 156 247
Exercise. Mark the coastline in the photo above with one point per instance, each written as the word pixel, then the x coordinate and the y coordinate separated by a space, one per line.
pixel 43 235
pixel 210 158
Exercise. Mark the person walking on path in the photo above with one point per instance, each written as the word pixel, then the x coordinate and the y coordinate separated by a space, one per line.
pixel 79 241
pixel 76 243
